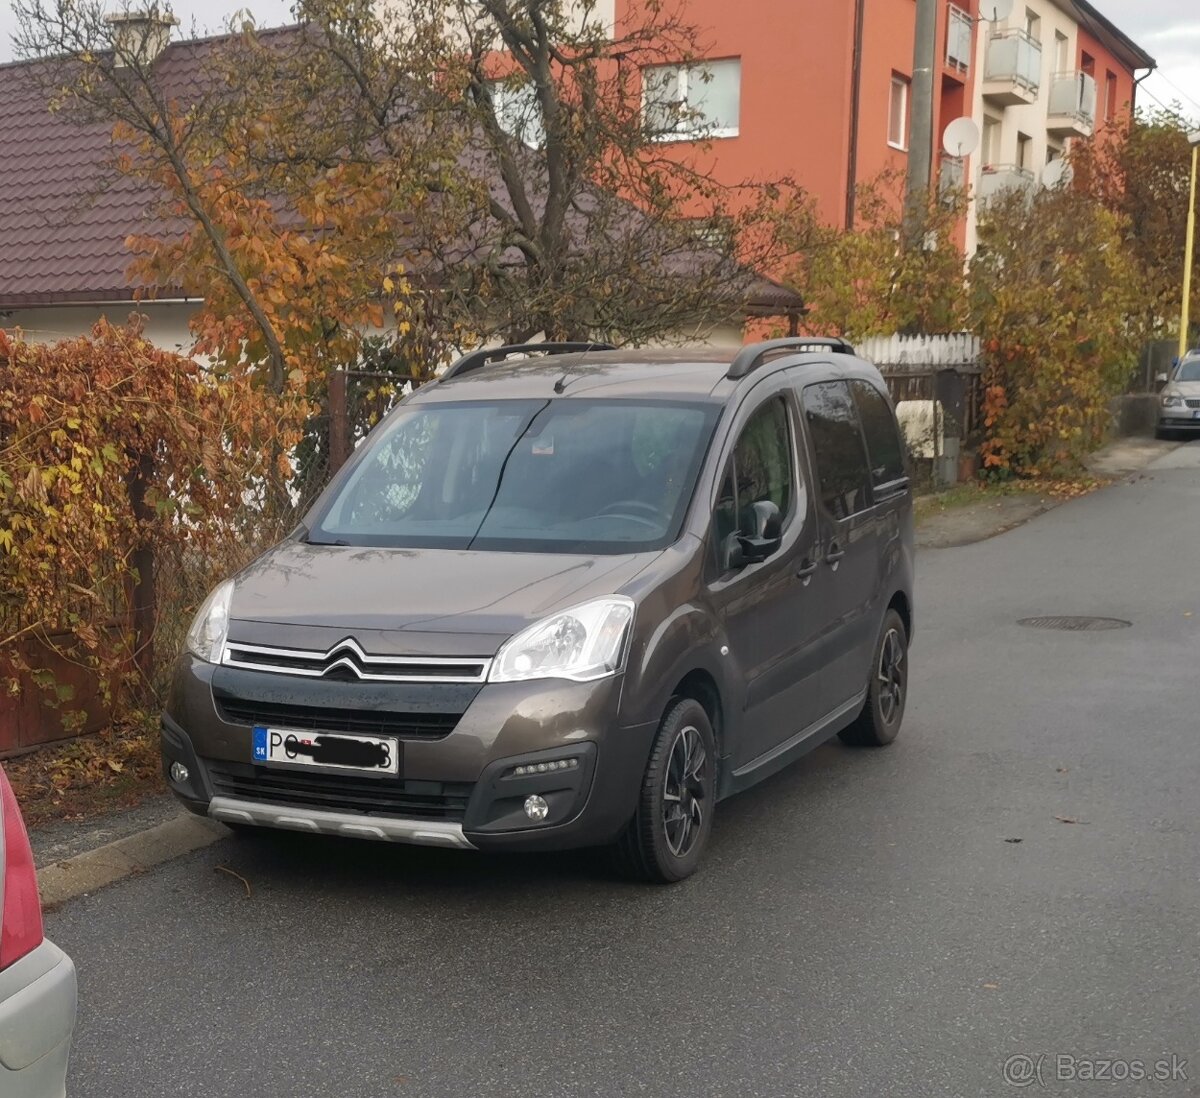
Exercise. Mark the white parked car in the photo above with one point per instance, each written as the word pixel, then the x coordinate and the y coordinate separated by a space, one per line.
pixel 37 979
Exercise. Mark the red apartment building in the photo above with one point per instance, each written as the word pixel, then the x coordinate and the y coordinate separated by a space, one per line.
pixel 819 90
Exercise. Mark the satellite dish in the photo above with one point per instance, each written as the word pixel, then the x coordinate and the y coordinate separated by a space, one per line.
pixel 994 11
pixel 961 138
pixel 1058 173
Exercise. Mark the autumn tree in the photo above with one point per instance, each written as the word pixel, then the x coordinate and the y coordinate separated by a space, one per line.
pixel 1056 293
pixel 881 276
pixel 1139 169
pixel 558 208
pixel 112 452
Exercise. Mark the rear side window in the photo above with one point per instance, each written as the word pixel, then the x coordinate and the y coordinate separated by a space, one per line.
pixel 879 429
pixel 838 446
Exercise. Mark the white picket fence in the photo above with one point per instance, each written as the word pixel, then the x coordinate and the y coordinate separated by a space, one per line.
pixel 918 353
pixel 911 365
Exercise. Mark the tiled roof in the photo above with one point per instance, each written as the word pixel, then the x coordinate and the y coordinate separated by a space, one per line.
pixel 65 211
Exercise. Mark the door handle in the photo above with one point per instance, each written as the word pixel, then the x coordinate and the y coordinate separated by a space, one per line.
pixel 805 572
pixel 834 553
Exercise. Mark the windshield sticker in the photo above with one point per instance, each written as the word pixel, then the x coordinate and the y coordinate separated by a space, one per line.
pixel 544 446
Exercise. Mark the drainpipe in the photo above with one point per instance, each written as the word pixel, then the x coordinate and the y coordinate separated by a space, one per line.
pixel 855 98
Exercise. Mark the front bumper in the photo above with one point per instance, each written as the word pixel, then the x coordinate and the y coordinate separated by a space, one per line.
pixel 37 1016
pixel 1178 419
pixel 456 789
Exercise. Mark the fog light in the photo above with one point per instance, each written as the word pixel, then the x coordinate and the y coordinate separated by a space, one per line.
pixel 536 807
pixel 179 773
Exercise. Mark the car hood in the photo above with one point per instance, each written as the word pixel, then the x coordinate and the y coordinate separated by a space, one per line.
pixel 302 594
pixel 1182 388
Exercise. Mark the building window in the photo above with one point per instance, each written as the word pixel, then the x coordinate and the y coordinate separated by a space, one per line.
pixel 1062 53
pixel 1110 96
pixel 1088 64
pixel 685 102
pixel 898 113
pixel 1024 151
pixel 1033 25
pixel 518 112
pixel 991 141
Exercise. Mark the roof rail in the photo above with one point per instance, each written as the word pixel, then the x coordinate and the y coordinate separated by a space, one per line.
pixel 752 357
pixel 478 359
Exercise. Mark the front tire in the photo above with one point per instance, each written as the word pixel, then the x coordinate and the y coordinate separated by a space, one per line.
pixel 665 840
pixel 882 713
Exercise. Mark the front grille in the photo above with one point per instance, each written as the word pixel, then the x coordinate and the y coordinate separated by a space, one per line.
pixel 1193 402
pixel 347 661
pixel 318 718
pixel 338 793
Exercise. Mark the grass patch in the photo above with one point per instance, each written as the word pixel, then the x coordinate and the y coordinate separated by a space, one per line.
pixel 91 776
pixel 985 492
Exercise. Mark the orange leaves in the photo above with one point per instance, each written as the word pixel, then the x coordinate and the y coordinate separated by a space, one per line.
pixel 103 407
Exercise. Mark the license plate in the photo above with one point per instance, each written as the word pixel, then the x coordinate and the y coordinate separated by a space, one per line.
pixel 333 750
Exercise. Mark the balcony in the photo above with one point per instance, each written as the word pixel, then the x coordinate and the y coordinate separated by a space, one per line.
pixel 1012 71
pixel 1072 105
pixel 960 30
pixel 951 178
pixel 1001 179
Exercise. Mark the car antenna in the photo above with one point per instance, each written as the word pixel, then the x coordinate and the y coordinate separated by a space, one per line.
pixel 561 384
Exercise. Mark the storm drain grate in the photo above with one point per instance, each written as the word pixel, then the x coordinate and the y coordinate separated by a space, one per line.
pixel 1075 624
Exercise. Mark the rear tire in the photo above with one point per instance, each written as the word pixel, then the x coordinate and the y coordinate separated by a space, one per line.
pixel 882 713
pixel 665 840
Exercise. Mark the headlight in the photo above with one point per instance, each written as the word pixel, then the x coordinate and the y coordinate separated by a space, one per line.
pixel 206 637
pixel 584 643
pixel 1170 401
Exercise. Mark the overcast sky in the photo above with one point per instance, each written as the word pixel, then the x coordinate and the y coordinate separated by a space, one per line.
pixel 1168 29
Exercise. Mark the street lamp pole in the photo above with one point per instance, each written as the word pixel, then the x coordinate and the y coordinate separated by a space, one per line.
pixel 1189 249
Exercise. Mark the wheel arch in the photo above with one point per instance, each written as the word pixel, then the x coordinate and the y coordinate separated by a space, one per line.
pixel 901 603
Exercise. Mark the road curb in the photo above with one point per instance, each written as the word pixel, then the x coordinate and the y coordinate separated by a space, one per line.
pixel 62 881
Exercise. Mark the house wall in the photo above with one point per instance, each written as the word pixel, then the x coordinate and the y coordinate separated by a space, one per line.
pixel 1106 64
pixel 795 92
pixel 166 322
pixel 1020 121
pixel 797 84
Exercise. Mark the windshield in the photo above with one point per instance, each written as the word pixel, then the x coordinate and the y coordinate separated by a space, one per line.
pixel 1189 370
pixel 585 476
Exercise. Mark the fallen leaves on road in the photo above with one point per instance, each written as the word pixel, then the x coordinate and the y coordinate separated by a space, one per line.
pixel 1069 820
pixel 1014 840
pixel 234 873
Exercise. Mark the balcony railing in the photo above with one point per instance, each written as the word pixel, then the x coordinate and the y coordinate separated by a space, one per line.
pixel 960 30
pixel 997 179
pixel 1072 108
pixel 1013 67
pixel 951 176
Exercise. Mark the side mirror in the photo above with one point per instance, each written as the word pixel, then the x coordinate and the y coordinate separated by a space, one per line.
pixel 766 533
pixel 1161 378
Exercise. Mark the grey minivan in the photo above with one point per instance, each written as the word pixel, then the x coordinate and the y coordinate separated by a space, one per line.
pixel 565 596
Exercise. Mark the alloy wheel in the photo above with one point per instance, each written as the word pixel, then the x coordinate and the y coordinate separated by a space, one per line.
pixel 891 676
pixel 685 791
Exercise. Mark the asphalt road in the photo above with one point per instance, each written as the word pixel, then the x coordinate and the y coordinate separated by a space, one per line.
pixel 865 925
